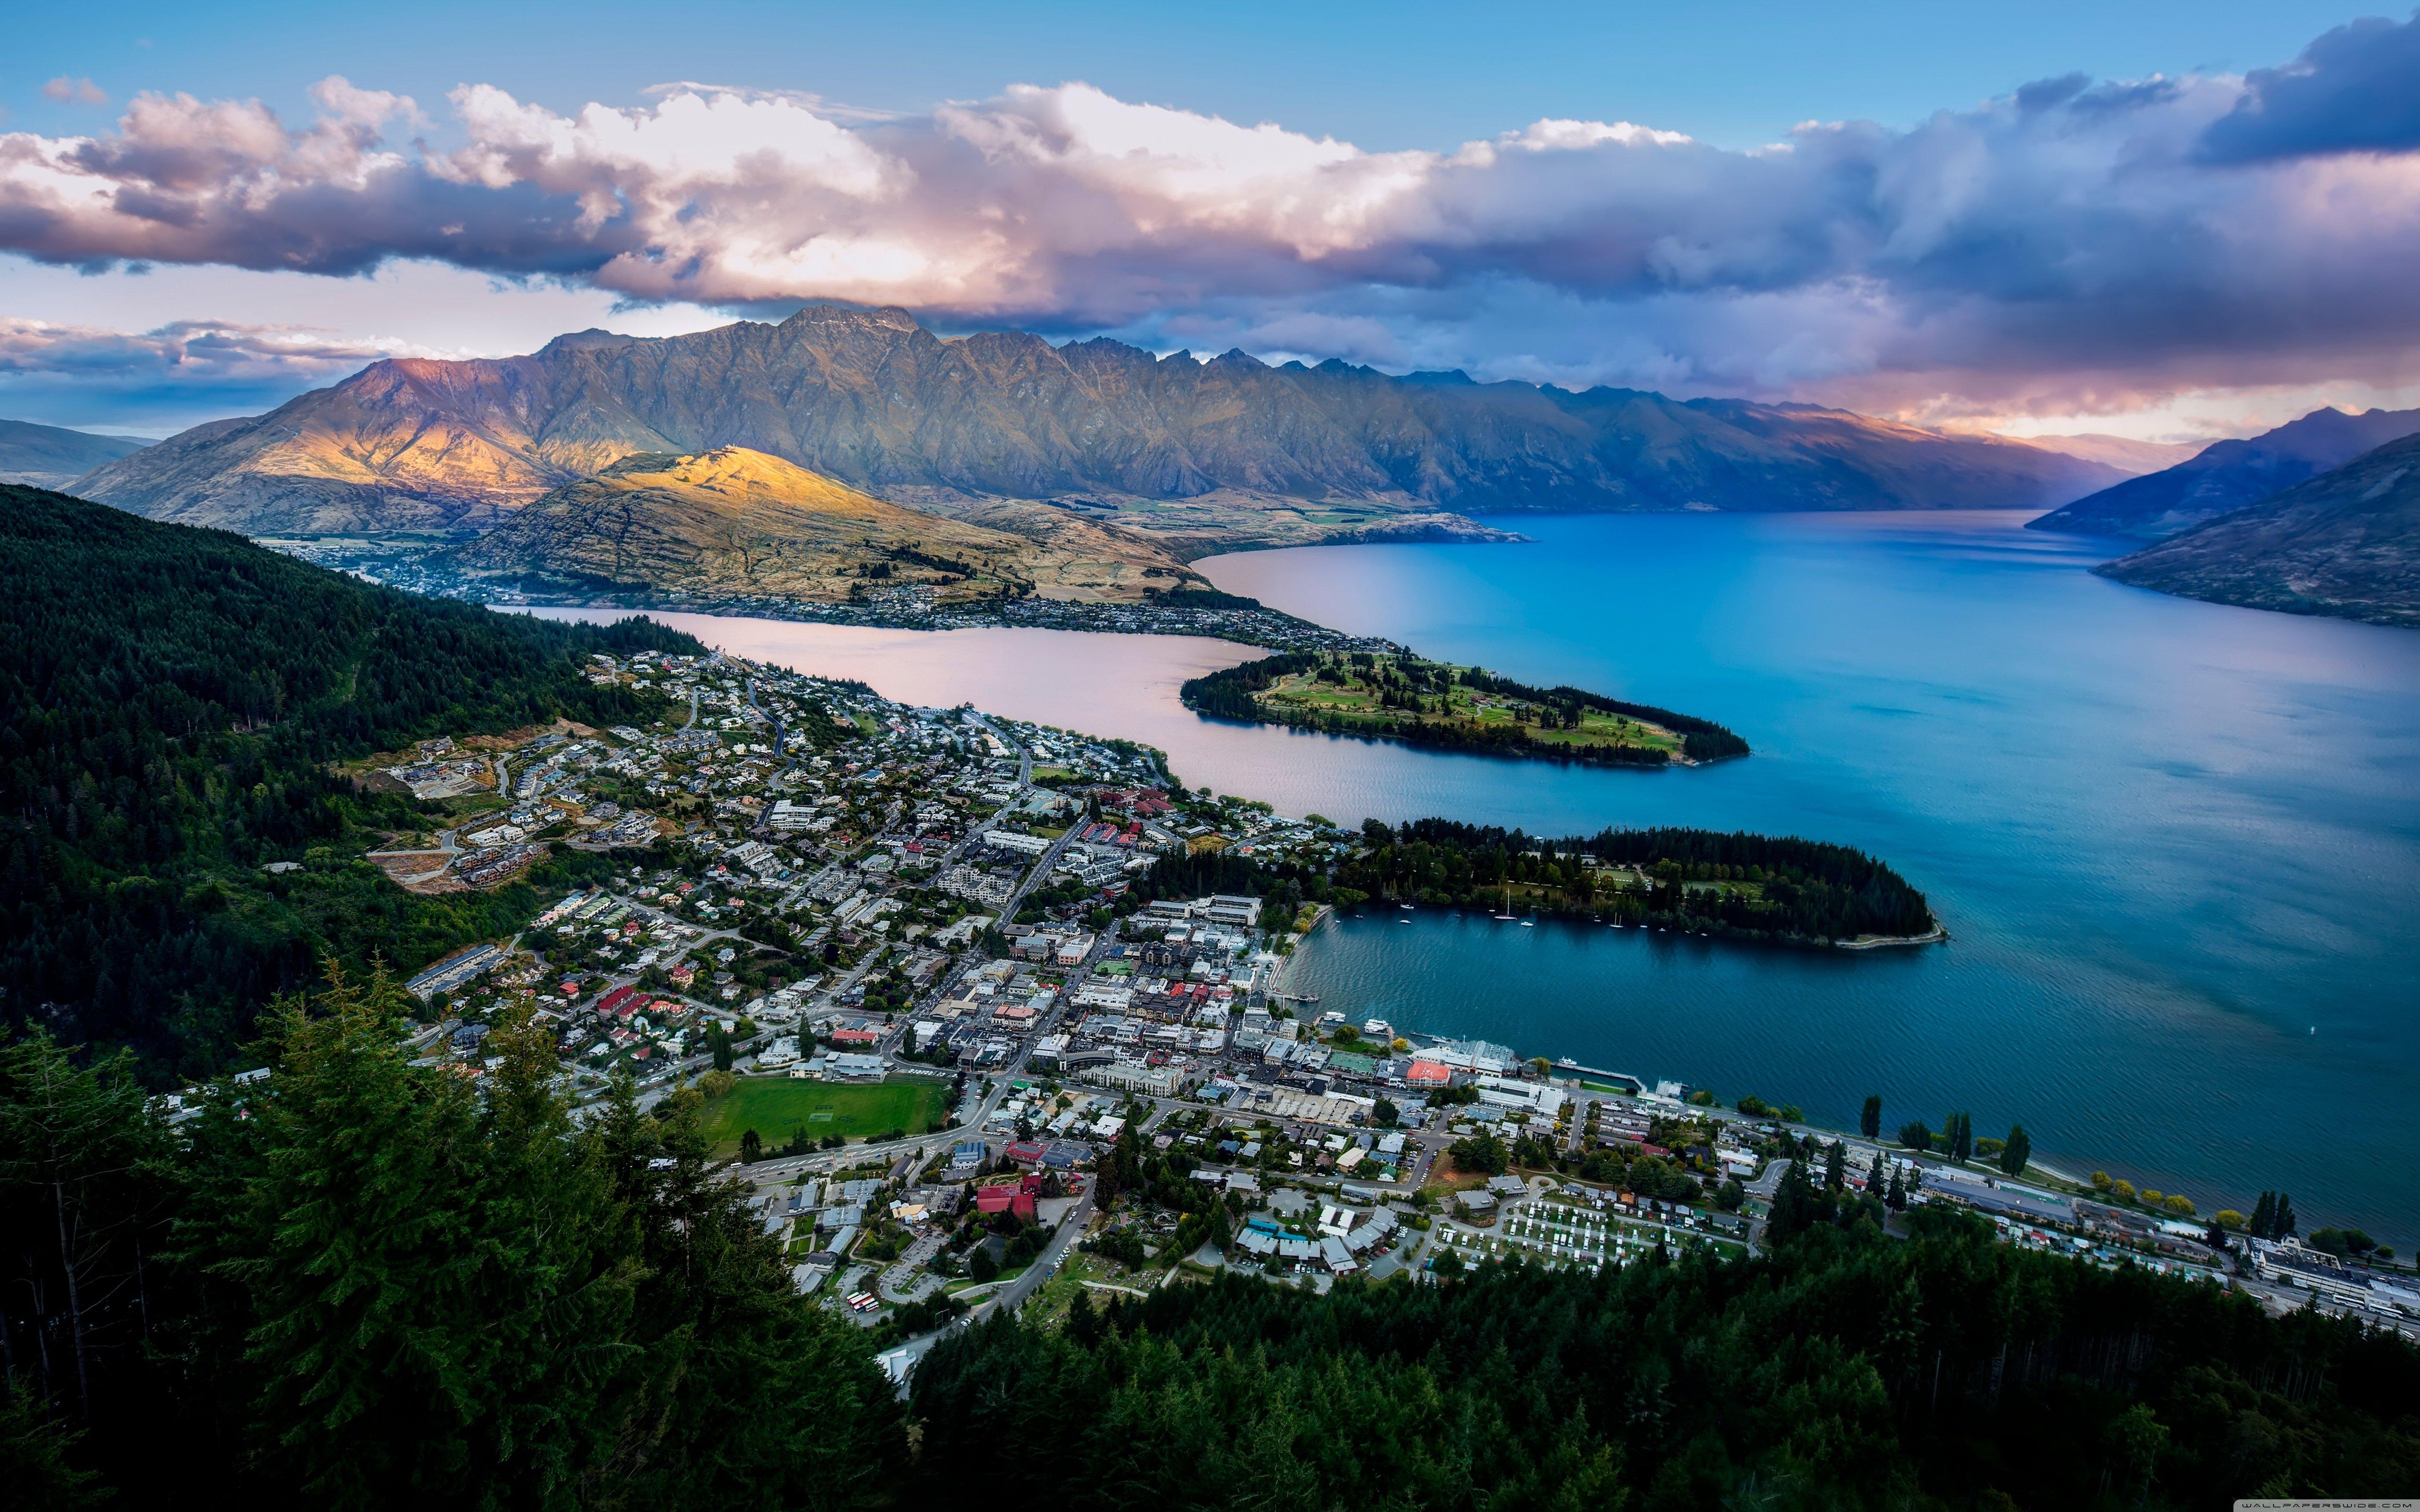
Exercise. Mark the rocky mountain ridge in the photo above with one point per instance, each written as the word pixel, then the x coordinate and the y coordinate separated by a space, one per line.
pixel 1231 450
pixel 2227 476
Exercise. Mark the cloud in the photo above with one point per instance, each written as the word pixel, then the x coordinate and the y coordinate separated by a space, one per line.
pixel 212 347
pixel 2356 89
pixel 181 372
pixel 2123 240
pixel 74 91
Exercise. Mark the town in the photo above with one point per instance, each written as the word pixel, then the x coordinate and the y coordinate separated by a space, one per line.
pixel 991 1015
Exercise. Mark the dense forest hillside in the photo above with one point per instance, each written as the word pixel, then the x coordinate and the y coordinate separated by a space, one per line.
pixel 366 1284
pixel 170 706
pixel 1847 1371
pixel 877 401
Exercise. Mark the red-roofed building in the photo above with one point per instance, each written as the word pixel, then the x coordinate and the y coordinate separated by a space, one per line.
pixel 1024 1152
pixel 1428 1074
pixel 853 1036
pixel 1013 1200
pixel 616 998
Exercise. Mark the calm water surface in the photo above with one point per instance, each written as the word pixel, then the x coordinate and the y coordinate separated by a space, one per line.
pixel 2178 844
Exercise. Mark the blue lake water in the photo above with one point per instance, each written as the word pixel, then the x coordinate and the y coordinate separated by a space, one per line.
pixel 2178 844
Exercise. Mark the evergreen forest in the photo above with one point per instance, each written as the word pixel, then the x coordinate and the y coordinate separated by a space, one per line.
pixel 171 711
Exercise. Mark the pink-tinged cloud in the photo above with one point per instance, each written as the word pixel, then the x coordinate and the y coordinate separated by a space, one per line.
pixel 74 91
pixel 2118 239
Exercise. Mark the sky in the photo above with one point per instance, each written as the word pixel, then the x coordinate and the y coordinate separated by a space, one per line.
pixel 2158 220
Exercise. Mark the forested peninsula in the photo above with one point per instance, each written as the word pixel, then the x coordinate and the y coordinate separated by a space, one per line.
pixel 1445 707
pixel 1697 881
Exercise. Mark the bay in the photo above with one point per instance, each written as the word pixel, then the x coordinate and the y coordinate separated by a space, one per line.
pixel 2178 844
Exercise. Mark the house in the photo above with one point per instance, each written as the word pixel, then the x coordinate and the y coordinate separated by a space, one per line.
pixel 1013 1200
pixel 1427 1073
pixel 1022 1152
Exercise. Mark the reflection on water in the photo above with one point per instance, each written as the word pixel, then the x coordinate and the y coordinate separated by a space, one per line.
pixel 2172 839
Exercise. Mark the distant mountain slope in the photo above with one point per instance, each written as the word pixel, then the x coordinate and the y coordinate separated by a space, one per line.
pixel 2227 476
pixel 2346 543
pixel 733 521
pixel 874 400
pixel 46 457
pixel 2123 452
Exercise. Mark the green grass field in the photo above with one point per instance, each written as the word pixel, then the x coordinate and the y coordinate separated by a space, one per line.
pixel 777 1107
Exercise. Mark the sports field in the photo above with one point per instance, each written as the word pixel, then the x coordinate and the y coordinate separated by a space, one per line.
pixel 778 1106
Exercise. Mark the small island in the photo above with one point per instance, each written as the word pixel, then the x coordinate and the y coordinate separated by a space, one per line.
pixel 1401 696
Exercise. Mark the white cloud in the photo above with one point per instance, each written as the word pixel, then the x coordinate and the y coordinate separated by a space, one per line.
pixel 2065 240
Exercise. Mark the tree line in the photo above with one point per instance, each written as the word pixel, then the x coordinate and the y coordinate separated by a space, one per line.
pixel 1844 1369
pixel 174 703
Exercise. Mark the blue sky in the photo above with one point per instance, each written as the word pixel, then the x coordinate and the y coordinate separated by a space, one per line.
pixel 1384 76
pixel 2188 231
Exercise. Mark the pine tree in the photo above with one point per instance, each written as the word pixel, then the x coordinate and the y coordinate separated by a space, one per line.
pixel 1793 1205
pixel 1836 1161
pixel 80 1202
pixel 352 1241
pixel 2019 1149
pixel 1959 1131
pixel 1874 1178
pixel 1870 1121
pixel 2264 1217
pixel 2283 1224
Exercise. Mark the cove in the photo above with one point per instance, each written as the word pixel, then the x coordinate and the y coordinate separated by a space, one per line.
pixel 2171 839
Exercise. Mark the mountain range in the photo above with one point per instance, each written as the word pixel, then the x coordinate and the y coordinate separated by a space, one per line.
pixel 48 457
pixel 1204 456
pixel 735 522
pixel 2346 543
pixel 2227 476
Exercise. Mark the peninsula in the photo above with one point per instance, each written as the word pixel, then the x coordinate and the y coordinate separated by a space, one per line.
pixel 1404 697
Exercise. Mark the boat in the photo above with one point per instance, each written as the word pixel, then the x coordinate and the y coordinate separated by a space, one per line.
pixel 1528 923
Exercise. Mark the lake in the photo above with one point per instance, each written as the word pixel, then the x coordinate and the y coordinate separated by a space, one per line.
pixel 2177 844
